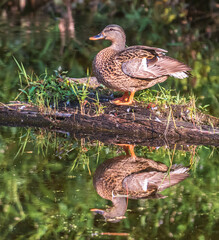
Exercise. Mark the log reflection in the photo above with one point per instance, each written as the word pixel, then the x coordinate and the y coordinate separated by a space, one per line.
pixel 130 177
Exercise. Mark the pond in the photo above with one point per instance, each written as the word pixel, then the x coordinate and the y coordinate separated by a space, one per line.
pixel 48 189
pixel 72 185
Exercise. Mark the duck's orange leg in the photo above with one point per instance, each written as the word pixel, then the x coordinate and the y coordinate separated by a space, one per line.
pixel 129 149
pixel 125 99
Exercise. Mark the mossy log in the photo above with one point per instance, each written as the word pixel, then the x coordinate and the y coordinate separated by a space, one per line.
pixel 125 124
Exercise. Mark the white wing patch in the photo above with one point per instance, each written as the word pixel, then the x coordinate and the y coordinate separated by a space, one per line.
pixel 145 185
pixel 180 170
pixel 180 75
pixel 144 64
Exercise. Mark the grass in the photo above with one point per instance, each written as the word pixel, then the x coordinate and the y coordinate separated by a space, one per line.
pixel 46 142
pixel 163 97
pixel 50 92
pixel 168 97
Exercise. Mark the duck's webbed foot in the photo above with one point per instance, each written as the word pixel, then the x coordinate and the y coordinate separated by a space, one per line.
pixel 125 99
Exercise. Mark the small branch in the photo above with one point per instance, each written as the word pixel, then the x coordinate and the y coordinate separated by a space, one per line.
pixel 93 83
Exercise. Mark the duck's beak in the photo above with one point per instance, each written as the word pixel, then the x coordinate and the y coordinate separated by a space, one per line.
pixel 97 37
pixel 96 210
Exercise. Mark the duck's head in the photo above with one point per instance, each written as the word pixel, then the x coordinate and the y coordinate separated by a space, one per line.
pixel 113 33
pixel 116 213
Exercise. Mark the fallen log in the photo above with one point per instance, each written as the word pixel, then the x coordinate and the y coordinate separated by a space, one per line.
pixel 131 124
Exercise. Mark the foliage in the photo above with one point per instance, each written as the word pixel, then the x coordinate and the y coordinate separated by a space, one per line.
pixel 166 97
pixel 162 97
pixel 186 29
pixel 49 91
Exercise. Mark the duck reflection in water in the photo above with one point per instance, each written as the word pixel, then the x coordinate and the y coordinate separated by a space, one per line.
pixel 129 176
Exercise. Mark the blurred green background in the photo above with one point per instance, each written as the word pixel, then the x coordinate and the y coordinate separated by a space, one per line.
pixel 48 34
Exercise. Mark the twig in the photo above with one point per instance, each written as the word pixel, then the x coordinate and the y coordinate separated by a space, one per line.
pixel 93 83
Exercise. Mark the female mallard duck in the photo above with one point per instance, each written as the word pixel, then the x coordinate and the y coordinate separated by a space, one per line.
pixel 129 176
pixel 133 68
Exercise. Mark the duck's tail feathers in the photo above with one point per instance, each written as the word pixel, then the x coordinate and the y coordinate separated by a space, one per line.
pixel 180 75
pixel 174 67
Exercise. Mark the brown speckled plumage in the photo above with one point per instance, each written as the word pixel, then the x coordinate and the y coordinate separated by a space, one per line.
pixel 133 68
pixel 110 175
pixel 107 67
pixel 133 177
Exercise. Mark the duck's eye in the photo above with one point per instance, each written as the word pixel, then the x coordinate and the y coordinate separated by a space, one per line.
pixel 111 29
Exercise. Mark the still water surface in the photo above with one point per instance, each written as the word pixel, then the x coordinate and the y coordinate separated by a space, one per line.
pixel 47 189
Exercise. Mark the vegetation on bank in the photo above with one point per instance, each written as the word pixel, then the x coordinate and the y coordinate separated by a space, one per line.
pixel 51 93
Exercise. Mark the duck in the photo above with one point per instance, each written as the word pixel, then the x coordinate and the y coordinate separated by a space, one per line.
pixel 134 68
pixel 131 177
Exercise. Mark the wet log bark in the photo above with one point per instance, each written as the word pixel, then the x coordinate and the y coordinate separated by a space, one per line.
pixel 131 124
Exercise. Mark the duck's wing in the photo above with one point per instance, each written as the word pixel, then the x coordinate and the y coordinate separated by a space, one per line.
pixel 148 63
pixel 157 181
pixel 156 50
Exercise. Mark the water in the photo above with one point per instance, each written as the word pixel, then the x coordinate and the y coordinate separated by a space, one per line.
pixel 46 178
pixel 47 190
